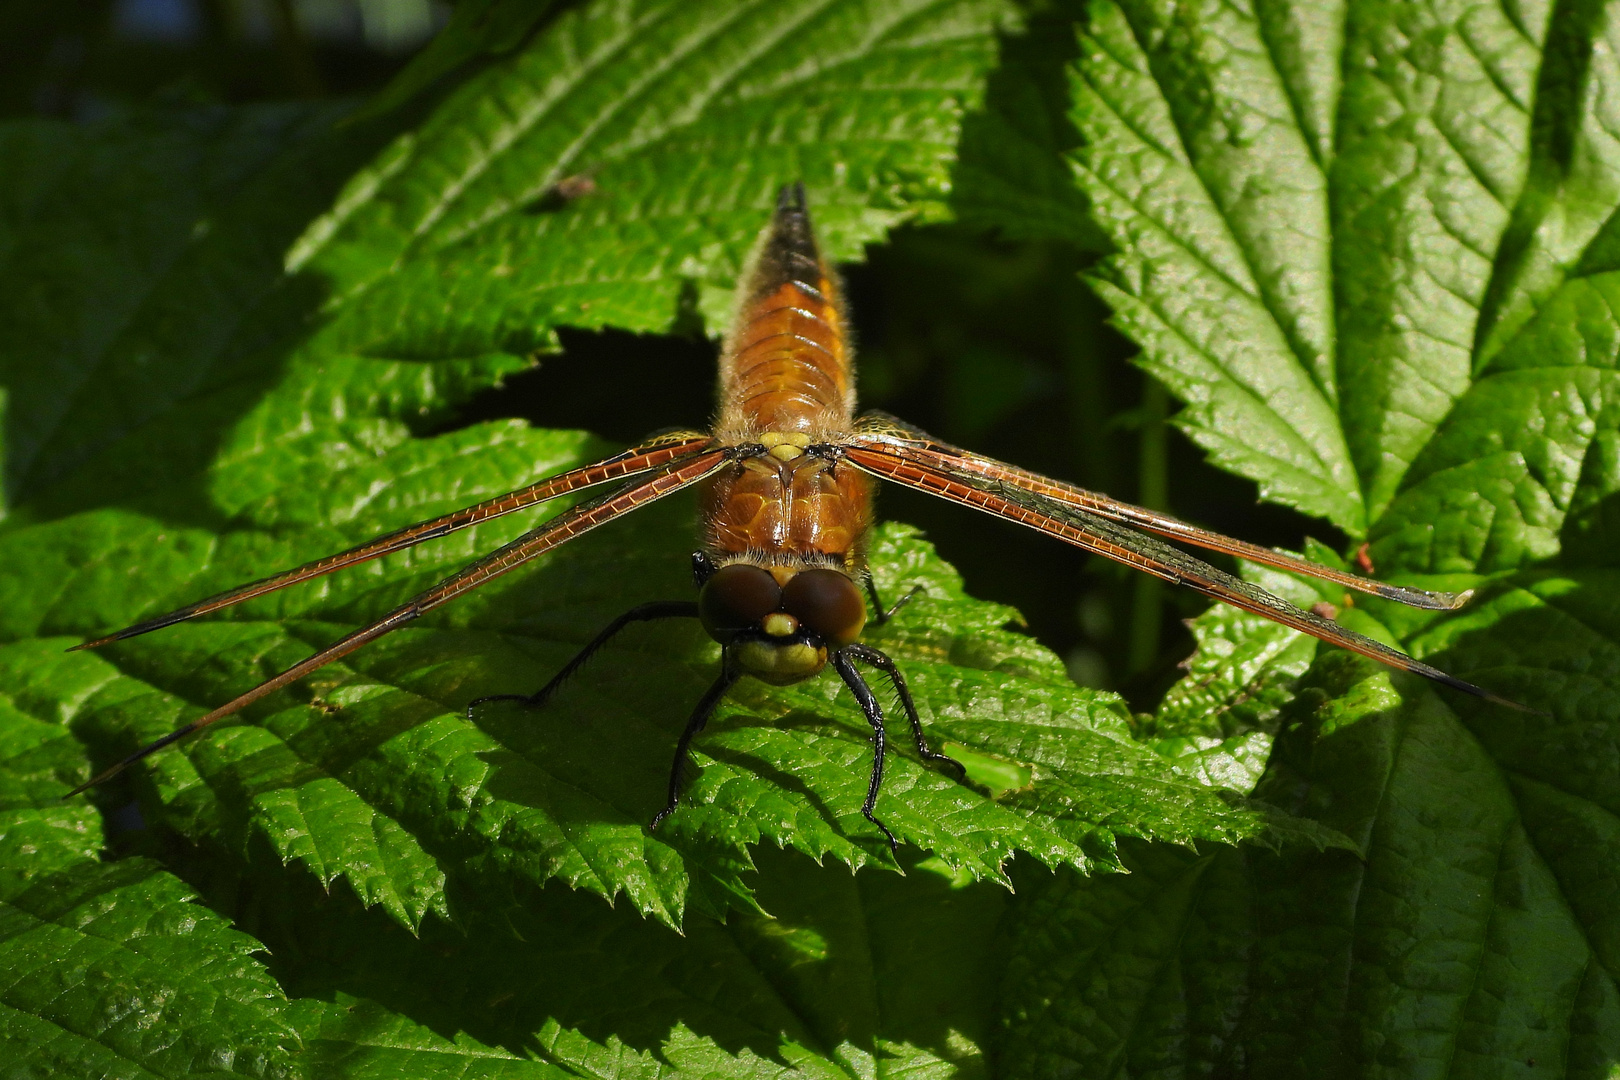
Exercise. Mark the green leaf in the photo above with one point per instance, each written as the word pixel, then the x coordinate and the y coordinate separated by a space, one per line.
pixel 890 973
pixel 434 265
pixel 117 970
pixel 1415 258
pixel 111 970
pixel 1191 159
pixel 1520 469
pixel 192 281
pixel 1128 974
pixel 39 833
pixel 1444 192
pixel 360 1040
pixel 477 30
pixel 1245 666
pixel 1471 939
pixel 1010 172
pixel 671 118
pixel 854 974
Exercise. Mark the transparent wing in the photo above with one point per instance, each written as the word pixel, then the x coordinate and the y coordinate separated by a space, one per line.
pixel 879 431
pixel 571 523
pixel 1087 530
pixel 654 454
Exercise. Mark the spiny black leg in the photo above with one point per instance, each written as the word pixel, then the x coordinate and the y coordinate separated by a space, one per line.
pixel 659 609
pixel 700 716
pixel 868 655
pixel 703 568
pixel 874 716
pixel 879 615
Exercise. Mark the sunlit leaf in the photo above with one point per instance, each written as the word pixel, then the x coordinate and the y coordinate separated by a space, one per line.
pixel 1368 246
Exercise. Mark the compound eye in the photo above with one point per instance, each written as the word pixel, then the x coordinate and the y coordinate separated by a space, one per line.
pixel 736 598
pixel 828 603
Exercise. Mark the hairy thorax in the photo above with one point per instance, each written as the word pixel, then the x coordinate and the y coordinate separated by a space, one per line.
pixel 788 508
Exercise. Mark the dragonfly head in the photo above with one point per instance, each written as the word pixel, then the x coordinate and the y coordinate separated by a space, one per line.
pixel 780 631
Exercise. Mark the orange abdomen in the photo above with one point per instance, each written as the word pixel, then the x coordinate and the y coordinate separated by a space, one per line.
pixel 787 365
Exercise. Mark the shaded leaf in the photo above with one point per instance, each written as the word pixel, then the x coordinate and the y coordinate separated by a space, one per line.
pixel 1487 959
pixel 1448 204
pixel 111 970
pixel 1010 171
pixel 587 990
pixel 477 30
pixel 1191 161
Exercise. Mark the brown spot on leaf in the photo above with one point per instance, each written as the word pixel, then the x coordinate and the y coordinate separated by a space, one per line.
pixel 570 188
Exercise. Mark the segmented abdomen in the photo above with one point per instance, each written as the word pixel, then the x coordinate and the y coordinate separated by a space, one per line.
pixel 787 364
pixel 790 371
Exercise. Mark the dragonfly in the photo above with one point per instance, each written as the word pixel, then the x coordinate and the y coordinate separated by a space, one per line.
pixel 787 474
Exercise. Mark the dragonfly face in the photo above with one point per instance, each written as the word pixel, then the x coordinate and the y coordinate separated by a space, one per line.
pixel 779 622
pixel 788 471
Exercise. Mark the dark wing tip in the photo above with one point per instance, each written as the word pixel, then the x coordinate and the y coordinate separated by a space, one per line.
pixel 97 643
pixel 162 622
pixel 1477 691
pixel 1509 703
pixel 100 778
pixel 1423 598
pixel 146 751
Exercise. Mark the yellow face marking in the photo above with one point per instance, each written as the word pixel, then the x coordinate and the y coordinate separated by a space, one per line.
pixel 782 574
pixel 780 624
pixel 770 440
pixel 785 452
pixel 777 664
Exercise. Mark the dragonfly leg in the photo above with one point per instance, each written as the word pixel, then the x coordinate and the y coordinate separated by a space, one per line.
pixel 874 716
pixel 879 615
pixel 700 716
pixel 880 660
pixel 659 609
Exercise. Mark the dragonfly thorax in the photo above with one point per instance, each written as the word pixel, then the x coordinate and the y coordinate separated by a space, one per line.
pixel 790 504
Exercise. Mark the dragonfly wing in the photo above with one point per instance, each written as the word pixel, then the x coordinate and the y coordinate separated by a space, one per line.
pixel 571 523
pixel 1101 536
pixel 882 432
pixel 655 454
